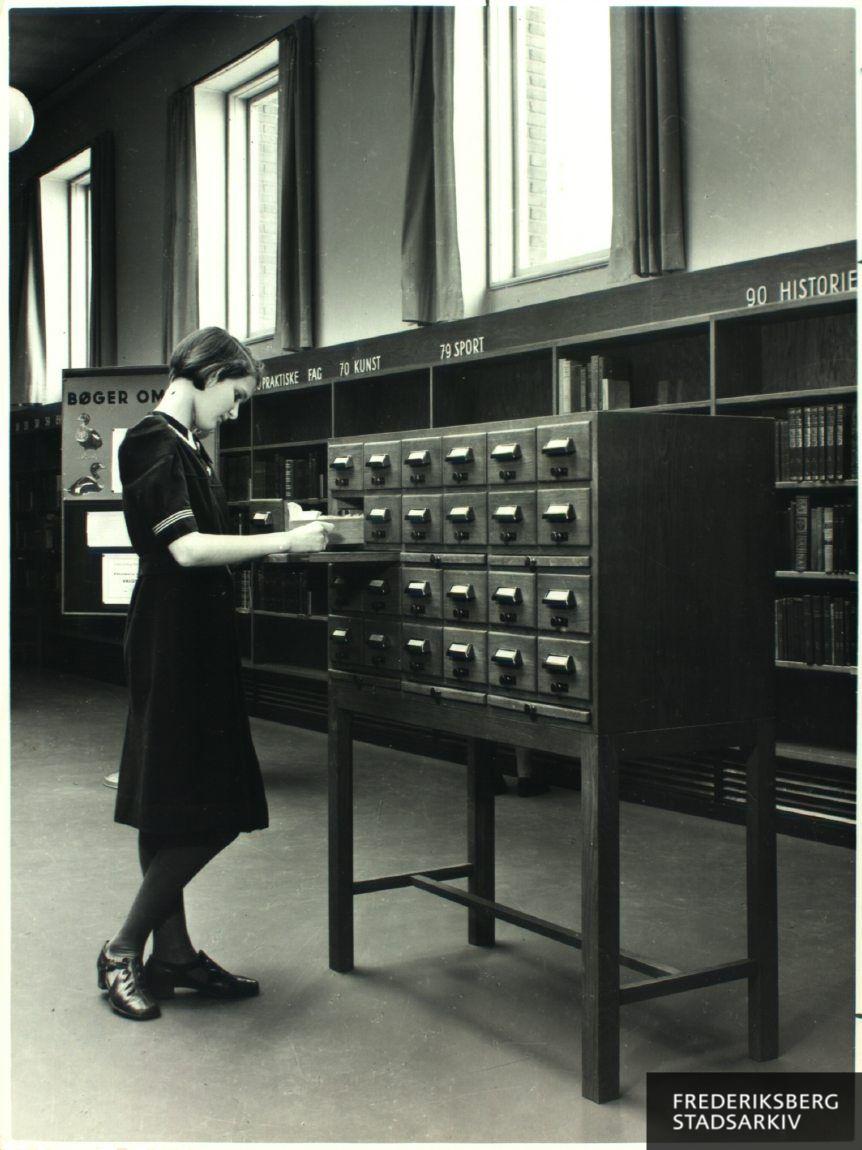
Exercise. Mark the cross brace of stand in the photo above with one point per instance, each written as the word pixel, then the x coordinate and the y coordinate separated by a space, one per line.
pixel 602 994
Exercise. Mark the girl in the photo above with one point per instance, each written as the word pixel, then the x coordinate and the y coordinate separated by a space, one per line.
pixel 189 776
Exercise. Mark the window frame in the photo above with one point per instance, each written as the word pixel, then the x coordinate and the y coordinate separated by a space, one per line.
pixel 67 262
pixel 501 143
pixel 222 108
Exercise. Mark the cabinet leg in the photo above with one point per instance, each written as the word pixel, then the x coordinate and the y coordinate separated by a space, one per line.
pixel 480 839
pixel 762 900
pixel 600 922
pixel 340 839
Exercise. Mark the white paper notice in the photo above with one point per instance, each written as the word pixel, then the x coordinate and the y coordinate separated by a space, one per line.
pixel 119 573
pixel 119 434
pixel 107 529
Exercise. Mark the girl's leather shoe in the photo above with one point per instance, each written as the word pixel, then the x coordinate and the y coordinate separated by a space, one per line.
pixel 201 974
pixel 123 978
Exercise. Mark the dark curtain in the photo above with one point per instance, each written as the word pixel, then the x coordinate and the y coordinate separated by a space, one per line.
pixel 296 216
pixel 648 229
pixel 181 238
pixel 103 276
pixel 29 369
pixel 430 260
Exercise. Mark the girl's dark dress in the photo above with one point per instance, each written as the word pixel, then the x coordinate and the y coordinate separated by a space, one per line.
pixel 188 763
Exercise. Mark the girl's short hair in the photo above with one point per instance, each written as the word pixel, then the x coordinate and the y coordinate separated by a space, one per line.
pixel 212 352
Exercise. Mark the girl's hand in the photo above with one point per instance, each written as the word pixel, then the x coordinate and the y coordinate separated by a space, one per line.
pixel 305 539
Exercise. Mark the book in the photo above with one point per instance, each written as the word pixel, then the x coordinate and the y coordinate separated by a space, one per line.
pixel 794 418
pixel 830 441
pixel 563 385
pixel 840 437
pixel 815 539
pixel 802 505
pixel 615 393
pixel 807 444
pixel 828 538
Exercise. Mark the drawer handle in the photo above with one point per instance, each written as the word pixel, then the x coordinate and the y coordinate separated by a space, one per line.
pixel 418 646
pixel 379 461
pixel 418 515
pixel 461 591
pixel 418 589
pixel 508 657
pixel 379 515
pixel 560 664
pixel 559 598
pixel 559 513
pixel 461 515
pixel 509 513
pixel 461 652
pixel 379 641
pixel 510 595
pixel 262 518
pixel 341 635
pixel 460 455
pixel 559 447
pixel 378 587
pixel 419 459
pixel 506 451
pixel 342 463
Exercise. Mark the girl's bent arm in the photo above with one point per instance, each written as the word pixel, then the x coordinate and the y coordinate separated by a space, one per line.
pixel 199 550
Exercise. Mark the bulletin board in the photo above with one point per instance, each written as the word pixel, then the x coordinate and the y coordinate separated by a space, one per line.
pixel 99 405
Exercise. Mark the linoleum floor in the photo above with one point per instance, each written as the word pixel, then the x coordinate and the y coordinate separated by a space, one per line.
pixel 429 1039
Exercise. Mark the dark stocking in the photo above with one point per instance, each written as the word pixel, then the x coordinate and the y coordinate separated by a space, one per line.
pixel 168 865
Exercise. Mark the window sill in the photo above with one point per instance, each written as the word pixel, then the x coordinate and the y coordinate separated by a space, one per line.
pixel 550 272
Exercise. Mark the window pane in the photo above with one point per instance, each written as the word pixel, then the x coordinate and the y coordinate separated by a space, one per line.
pixel 562 133
pixel 262 209
pixel 80 262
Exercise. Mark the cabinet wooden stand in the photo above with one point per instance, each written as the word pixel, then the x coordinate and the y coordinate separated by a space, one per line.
pixel 602 994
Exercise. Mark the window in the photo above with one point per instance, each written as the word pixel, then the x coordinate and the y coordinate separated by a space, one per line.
pixel 549 126
pixel 67 258
pixel 236 128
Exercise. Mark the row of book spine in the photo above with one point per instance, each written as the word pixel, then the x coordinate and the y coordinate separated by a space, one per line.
pixel 816 629
pixel 242 588
pixel 593 386
pixel 816 442
pixel 818 537
pixel 273 477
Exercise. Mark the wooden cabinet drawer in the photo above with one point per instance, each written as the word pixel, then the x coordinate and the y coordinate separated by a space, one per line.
pixel 381 465
pixel 464 459
pixel 511 662
pixel 564 517
pixel 512 517
pixel 465 518
pixel 512 456
pixel 382 518
pixel 563 452
pixel 346 587
pixel 380 592
pixel 382 644
pixel 511 598
pixel 464 655
pixel 563 602
pixel 345 642
pixel 421 462
pixel 344 467
pixel 465 595
pixel 422 651
pixel 563 668
pixel 421 596
pixel 421 515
